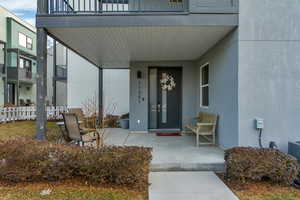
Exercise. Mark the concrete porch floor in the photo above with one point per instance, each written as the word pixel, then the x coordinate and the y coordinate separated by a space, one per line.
pixel 171 153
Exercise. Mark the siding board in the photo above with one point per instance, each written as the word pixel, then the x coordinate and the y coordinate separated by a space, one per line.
pixel 213 6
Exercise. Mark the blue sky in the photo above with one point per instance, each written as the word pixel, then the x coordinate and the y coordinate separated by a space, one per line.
pixel 25 9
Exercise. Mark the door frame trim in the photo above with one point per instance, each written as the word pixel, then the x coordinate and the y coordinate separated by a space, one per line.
pixel 179 99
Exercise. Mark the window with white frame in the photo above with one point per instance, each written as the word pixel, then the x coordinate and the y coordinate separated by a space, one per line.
pixel 25 64
pixel 25 41
pixel 22 40
pixel 29 43
pixel 204 85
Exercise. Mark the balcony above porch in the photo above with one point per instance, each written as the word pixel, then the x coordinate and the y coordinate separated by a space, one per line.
pixel 116 32
pixel 117 7
pixel 95 13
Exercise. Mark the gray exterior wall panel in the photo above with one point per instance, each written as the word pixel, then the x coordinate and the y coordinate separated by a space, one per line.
pixel 269 89
pixel 269 71
pixel 223 88
pixel 269 20
pixel 213 6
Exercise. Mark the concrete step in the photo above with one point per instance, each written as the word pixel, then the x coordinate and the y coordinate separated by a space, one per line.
pixel 169 167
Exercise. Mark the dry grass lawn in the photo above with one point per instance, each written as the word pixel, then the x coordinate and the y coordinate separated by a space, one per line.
pixel 262 191
pixel 22 128
pixel 66 190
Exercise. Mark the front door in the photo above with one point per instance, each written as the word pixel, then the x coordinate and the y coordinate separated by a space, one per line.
pixel 165 98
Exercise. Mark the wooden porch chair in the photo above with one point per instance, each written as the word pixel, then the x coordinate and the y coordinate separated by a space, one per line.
pixel 205 127
pixel 75 133
pixel 78 112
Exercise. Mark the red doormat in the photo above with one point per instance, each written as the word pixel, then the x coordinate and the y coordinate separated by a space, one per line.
pixel 168 134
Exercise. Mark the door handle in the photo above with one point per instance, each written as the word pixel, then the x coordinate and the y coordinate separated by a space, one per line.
pixel 158 107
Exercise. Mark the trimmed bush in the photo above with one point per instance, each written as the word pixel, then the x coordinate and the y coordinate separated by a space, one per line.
pixel 111 121
pixel 255 164
pixel 30 161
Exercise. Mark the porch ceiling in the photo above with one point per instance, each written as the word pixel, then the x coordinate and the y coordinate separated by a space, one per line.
pixel 117 46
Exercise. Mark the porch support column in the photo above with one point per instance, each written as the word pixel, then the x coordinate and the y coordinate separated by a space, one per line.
pixel 41 82
pixel 54 73
pixel 18 79
pixel 100 95
pixel 5 75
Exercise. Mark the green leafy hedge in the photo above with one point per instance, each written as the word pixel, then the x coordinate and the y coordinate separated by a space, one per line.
pixel 255 164
pixel 29 160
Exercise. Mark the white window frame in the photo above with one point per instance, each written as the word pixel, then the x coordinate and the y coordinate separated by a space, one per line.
pixel 202 86
pixel 27 44
pixel 23 35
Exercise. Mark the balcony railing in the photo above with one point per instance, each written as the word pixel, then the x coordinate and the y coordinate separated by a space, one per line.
pixel 24 75
pixel 115 6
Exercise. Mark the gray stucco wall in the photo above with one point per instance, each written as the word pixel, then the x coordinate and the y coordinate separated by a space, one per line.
pixel 213 6
pixel 139 111
pixel 223 88
pixel 269 71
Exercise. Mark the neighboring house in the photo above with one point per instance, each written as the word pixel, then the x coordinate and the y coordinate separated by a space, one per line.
pixel 57 75
pixel 77 81
pixel 17 60
pixel 237 59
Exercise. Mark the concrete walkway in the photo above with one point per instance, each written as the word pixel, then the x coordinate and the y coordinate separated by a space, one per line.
pixel 188 186
pixel 172 153
pixel 180 170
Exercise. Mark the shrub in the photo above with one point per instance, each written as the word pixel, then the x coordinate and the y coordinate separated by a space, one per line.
pixel 111 121
pixel 29 160
pixel 53 134
pixel 255 164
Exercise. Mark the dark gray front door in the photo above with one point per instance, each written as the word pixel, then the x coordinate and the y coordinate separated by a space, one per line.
pixel 165 87
pixel 169 98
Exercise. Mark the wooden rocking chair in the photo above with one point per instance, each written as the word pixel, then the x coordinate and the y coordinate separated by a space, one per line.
pixel 75 133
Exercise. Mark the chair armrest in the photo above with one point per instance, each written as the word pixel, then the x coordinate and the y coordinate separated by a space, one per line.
pixel 205 124
pixel 191 118
pixel 85 131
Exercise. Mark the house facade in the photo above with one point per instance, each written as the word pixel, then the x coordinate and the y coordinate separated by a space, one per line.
pixel 18 60
pixel 57 65
pixel 237 59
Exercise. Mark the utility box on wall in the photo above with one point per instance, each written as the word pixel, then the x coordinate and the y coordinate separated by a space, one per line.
pixel 259 123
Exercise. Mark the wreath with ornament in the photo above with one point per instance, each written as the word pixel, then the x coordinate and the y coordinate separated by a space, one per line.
pixel 167 82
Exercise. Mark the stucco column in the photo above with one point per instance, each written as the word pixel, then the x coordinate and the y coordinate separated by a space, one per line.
pixel 41 82
pixel 5 74
pixel 18 79
pixel 54 84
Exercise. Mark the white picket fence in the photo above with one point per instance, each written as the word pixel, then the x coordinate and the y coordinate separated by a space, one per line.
pixel 29 113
